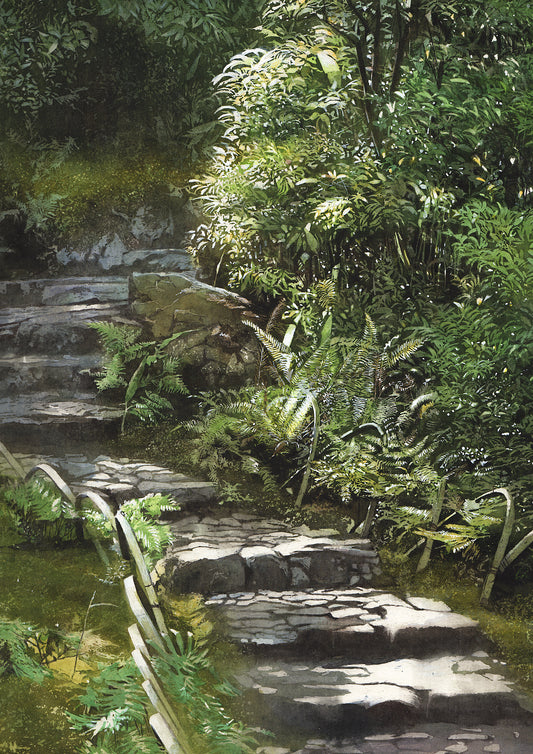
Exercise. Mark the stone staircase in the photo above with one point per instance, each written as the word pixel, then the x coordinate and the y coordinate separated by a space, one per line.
pixel 49 355
pixel 329 656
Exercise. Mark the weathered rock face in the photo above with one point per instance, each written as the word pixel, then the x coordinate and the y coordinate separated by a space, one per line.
pixel 217 349
pixel 140 239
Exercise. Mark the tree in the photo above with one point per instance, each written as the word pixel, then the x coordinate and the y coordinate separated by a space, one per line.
pixel 357 128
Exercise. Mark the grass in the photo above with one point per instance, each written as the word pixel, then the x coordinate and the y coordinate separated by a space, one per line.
pixel 62 192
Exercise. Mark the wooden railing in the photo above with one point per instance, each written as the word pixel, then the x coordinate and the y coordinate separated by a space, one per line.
pixel 149 633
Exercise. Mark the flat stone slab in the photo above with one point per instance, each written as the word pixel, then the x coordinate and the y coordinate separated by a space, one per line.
pixel 361 623
pixel 337 696
pixel 49 420
pixel 63 291
pixel 55 329
pixel 244 552
pixel 508 737
pixel 172 260
pixel 20 373
pixel 116 258
pixel 121 479
pixel 41 407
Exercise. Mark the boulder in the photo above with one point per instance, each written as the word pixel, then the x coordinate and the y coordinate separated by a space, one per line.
pixel 217 349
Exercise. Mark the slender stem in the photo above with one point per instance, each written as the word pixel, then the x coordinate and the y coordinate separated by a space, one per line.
pixel 376 55
pixel 502 544
pixel 435 515
pixel 305 480
pixel 516 551
pixel 371 512
pixel 10 458
pixel 82 633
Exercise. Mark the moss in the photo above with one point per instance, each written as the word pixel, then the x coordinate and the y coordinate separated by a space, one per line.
pixel 92 185
pixel 508 622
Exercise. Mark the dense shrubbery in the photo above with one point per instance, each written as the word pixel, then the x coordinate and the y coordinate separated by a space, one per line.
pixel 384 150
pixel 128 83
pixel 390 145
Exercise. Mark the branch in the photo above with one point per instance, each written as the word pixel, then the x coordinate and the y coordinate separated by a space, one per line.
pixel 357 13
pixel 361 64
pixel 376 57
pixel 402 44
pixel 516 551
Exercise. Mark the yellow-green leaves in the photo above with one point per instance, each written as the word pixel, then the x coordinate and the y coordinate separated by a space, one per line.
pixel 328 61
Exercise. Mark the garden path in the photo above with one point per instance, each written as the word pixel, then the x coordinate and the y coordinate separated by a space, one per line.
pixel 329 655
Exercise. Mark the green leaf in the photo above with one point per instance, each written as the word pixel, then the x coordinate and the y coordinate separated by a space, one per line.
pixel 327 60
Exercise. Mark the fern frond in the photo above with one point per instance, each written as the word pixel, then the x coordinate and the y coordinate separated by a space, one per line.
pixel 173 384
pixel 112 374
pixel 279 352
pixel 326 293
pixel 401 352
pixel 152 408
pixel 115 338
pixel 16 657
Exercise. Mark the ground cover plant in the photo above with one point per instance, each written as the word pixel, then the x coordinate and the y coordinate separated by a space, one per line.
pixel 114 714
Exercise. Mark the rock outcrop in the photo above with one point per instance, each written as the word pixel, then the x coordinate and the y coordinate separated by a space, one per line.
pixel 216 349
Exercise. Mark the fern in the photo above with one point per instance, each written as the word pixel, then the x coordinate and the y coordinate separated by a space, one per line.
pixel 115 713
pixel 142 370
pixel 116 339
pixel 39 513
pixel 114 701
pixel 131 742
pixel 188 676
pixel 18 655
pixel 39 210
pixel 279 352
pixel 333 387
pixel 143 514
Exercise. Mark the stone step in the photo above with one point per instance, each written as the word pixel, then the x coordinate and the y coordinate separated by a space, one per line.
pixel 117 259
pixel 120 479
pixel 55 329
pixel 343 697
pixel 360 623
pixel 245 552
pixel 20 373
pixel 63 291
pixel 507 737
pixel 45 419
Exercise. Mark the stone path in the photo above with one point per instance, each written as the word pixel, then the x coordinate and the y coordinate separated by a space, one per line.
pixel 432 738
pixel 229 553
pixel 328 656
pixel 363 623
pixel 329 653
pixel 324 662
pixel 118 479
pixel 49 356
